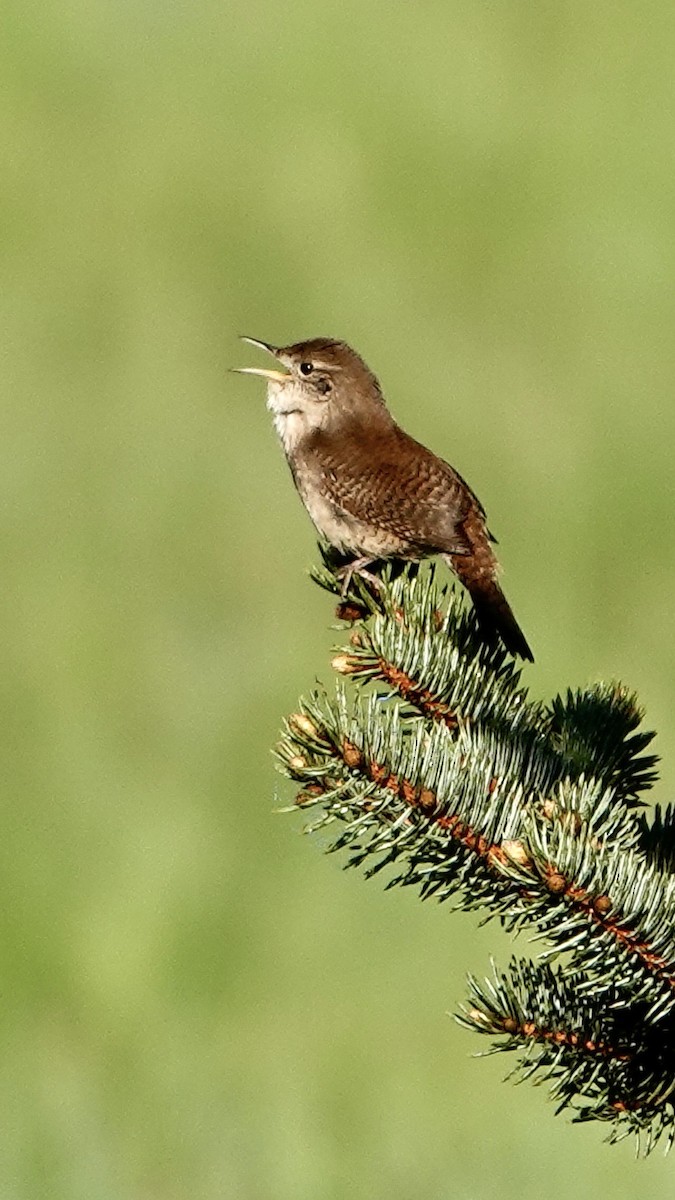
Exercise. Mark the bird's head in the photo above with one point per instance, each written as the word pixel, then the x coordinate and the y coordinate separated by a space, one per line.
pixel 324 385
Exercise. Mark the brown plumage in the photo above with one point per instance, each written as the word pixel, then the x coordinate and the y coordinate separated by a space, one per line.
pixel 371 490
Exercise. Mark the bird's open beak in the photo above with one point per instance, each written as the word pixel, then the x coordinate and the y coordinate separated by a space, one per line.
pixel 278 376
pixel 256 342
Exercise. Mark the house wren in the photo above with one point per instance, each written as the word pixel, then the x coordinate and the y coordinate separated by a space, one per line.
pixel 371 490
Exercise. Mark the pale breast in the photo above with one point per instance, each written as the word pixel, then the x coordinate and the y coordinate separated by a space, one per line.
pixel 343 530
pixel 329 521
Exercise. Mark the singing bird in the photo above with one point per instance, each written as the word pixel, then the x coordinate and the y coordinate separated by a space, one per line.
pixel 371 490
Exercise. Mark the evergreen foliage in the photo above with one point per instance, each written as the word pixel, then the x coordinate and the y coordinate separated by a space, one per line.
pixel 439 765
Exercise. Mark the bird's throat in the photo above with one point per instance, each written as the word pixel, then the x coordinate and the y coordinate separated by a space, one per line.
pixel 291 429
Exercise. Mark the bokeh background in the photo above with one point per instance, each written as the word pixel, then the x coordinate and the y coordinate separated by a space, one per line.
pixel 195 1001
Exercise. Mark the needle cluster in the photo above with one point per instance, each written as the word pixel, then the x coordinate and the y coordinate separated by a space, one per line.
pixel 438 766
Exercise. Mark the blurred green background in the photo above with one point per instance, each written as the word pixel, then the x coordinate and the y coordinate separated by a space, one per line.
pixel 194 1001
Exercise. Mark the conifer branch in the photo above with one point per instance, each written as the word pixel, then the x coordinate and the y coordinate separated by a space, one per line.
pixel 440 764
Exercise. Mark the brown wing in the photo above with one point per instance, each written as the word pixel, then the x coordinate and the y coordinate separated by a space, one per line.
pixel 398 485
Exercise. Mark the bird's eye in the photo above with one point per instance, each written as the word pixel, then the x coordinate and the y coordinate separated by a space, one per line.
pixel 306 368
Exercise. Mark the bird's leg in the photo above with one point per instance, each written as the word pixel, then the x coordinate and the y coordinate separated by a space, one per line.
pixel 357 567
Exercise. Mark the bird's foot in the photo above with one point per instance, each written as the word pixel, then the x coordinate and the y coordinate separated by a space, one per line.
pixel 357 567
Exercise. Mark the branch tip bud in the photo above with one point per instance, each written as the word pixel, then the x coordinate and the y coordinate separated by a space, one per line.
pixel 302 724
pixel 346 611
pixel 344 664
pixel 351 754
pixel 555 882
pixel 515 850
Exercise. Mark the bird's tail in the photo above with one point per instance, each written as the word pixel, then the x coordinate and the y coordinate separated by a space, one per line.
pixel 495 616
pixel 492 608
